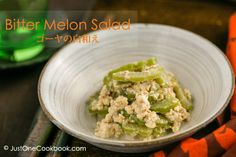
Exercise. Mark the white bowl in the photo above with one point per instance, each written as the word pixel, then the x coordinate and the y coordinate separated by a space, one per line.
pixel 77 70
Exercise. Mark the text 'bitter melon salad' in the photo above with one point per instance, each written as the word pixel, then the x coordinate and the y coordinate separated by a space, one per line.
pixel 140 100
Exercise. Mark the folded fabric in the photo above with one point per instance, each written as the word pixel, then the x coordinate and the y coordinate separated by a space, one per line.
pixel 231 54
pixel 212 145
pixel 222 141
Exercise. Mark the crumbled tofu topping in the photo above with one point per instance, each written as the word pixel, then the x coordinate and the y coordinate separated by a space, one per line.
pixel 103 99
pixel 140 109
pixel 150 119
pixel 110 125
pixel 177 115
pixel 115 107
pixel 106 130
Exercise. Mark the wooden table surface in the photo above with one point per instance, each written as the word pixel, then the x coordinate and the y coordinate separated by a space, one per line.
pixel 18 88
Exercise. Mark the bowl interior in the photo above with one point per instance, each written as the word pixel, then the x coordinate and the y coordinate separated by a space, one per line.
pixel 77 71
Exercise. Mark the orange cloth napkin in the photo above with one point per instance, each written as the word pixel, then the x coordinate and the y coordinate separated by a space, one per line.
pixel 222 141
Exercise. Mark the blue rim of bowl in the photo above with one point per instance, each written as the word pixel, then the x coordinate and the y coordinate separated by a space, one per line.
pixel 139 142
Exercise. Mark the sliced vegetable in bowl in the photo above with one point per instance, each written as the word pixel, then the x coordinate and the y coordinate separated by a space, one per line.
pixel 141 100
pixel 70 78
